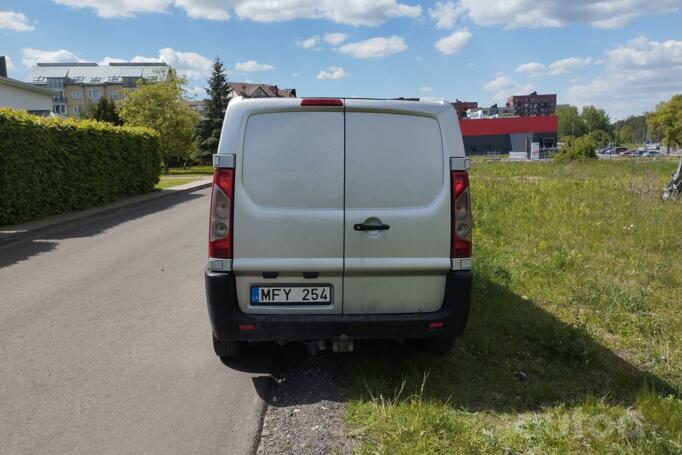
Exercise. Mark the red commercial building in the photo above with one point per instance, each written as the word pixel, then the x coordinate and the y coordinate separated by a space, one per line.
pixel 508 134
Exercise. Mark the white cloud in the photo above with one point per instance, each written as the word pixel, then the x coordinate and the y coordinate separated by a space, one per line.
pixel 532 69
pixel 215 10
pixel 333 73
pixel 454 42
pixel 365 12
pixel 189 64
pixel 425 88
pixel 641 52
pixel 558 13
pixel 253 65
pixel 309 43
pixel 374 47
pixel 195 92
pixel 119 8
pixel 9 20
pixel 445 15
pixel 30 57
pixel 563 66
pixel 502 87
pixel 637 75
pixel 107 60
pixel 335 38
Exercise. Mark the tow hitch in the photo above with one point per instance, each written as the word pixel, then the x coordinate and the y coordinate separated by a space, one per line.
pixel 343 343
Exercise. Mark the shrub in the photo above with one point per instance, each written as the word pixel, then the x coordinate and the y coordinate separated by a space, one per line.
pixel 50 166
pixel 582 148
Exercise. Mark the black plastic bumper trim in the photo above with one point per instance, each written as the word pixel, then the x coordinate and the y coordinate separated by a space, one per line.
pixel 226 316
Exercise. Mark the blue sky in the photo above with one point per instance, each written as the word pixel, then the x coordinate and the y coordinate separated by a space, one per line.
pixel 624 56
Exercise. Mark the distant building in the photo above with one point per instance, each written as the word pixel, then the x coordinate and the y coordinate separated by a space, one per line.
pixel 490 112
pixel 532 104
pixel 19 95
pixel 248 90
pixel 511 134
pixel 79 84
pixel 198 106
pixel 463 106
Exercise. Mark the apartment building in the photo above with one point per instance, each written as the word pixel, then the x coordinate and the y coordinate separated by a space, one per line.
pixel 79 84
pixel 249 90
pixel 533 104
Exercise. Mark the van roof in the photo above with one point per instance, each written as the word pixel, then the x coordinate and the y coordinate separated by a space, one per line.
pixel 407 105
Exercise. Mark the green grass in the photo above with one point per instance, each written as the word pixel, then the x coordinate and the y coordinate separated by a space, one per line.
pixel 168 182
pixel 205 170
pixel 574 344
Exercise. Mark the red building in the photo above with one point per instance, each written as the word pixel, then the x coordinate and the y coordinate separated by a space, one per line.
pixel 533 104
pixel 507 134
pixel 463 106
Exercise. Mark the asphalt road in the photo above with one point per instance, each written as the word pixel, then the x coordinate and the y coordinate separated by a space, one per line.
pixel 105 342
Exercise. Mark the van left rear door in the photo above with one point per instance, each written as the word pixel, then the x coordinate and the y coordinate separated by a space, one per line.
pixel 288 231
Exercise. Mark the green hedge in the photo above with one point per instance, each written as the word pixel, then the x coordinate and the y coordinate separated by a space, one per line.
pixel 50 166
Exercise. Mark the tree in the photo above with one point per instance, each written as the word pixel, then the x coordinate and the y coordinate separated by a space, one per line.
pixel 161 106
pixel 599 137
pixel 104 111
pixel 207 130
pixel 595 119
pixel 666 121
pixel 625 135
pixel 570 122
pixel 582 148
pixel 635 126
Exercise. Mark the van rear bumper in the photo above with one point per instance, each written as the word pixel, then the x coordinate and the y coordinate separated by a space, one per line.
pixel 226 316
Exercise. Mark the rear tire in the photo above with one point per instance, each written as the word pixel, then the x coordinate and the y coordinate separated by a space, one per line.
pixel 439 346
pixel 227 349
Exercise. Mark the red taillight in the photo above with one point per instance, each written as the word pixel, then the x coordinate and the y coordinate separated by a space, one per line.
pixel 436 325
pixel 321 102
pixel 222 209
pixel 461 215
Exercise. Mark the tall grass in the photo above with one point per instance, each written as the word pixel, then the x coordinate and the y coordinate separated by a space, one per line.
pixel 575 339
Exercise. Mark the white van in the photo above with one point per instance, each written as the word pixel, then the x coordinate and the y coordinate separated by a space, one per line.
pixel 339 219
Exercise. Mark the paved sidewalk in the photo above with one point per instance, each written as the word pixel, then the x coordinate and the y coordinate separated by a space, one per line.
pixel 10 235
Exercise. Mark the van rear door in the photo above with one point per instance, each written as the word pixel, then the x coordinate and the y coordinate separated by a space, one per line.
pixel 397 219
pixel 288 229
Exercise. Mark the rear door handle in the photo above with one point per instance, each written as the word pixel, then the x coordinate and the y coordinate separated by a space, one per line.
pixel 371 227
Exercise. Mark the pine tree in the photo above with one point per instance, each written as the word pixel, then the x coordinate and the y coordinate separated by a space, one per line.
pixel 207 130
pixel 104 111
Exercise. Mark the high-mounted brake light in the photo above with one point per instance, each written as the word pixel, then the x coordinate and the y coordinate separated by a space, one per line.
pixel 222 210
pixel 321 102
pixel 461 215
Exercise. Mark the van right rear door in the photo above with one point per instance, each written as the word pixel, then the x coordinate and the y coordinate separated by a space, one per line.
pixel 397 217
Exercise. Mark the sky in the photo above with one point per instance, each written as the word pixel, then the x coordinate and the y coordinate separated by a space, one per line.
pixel 621 55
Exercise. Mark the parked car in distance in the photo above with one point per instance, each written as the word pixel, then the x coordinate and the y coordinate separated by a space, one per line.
pixel 622 151
pixel 339 219
pixel 652 153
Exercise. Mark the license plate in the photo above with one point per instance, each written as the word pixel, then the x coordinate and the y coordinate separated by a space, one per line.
pixel 291 295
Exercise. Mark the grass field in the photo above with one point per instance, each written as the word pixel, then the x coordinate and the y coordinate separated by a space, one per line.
pixel 206 170
pixel 168 182
pixel 574 344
